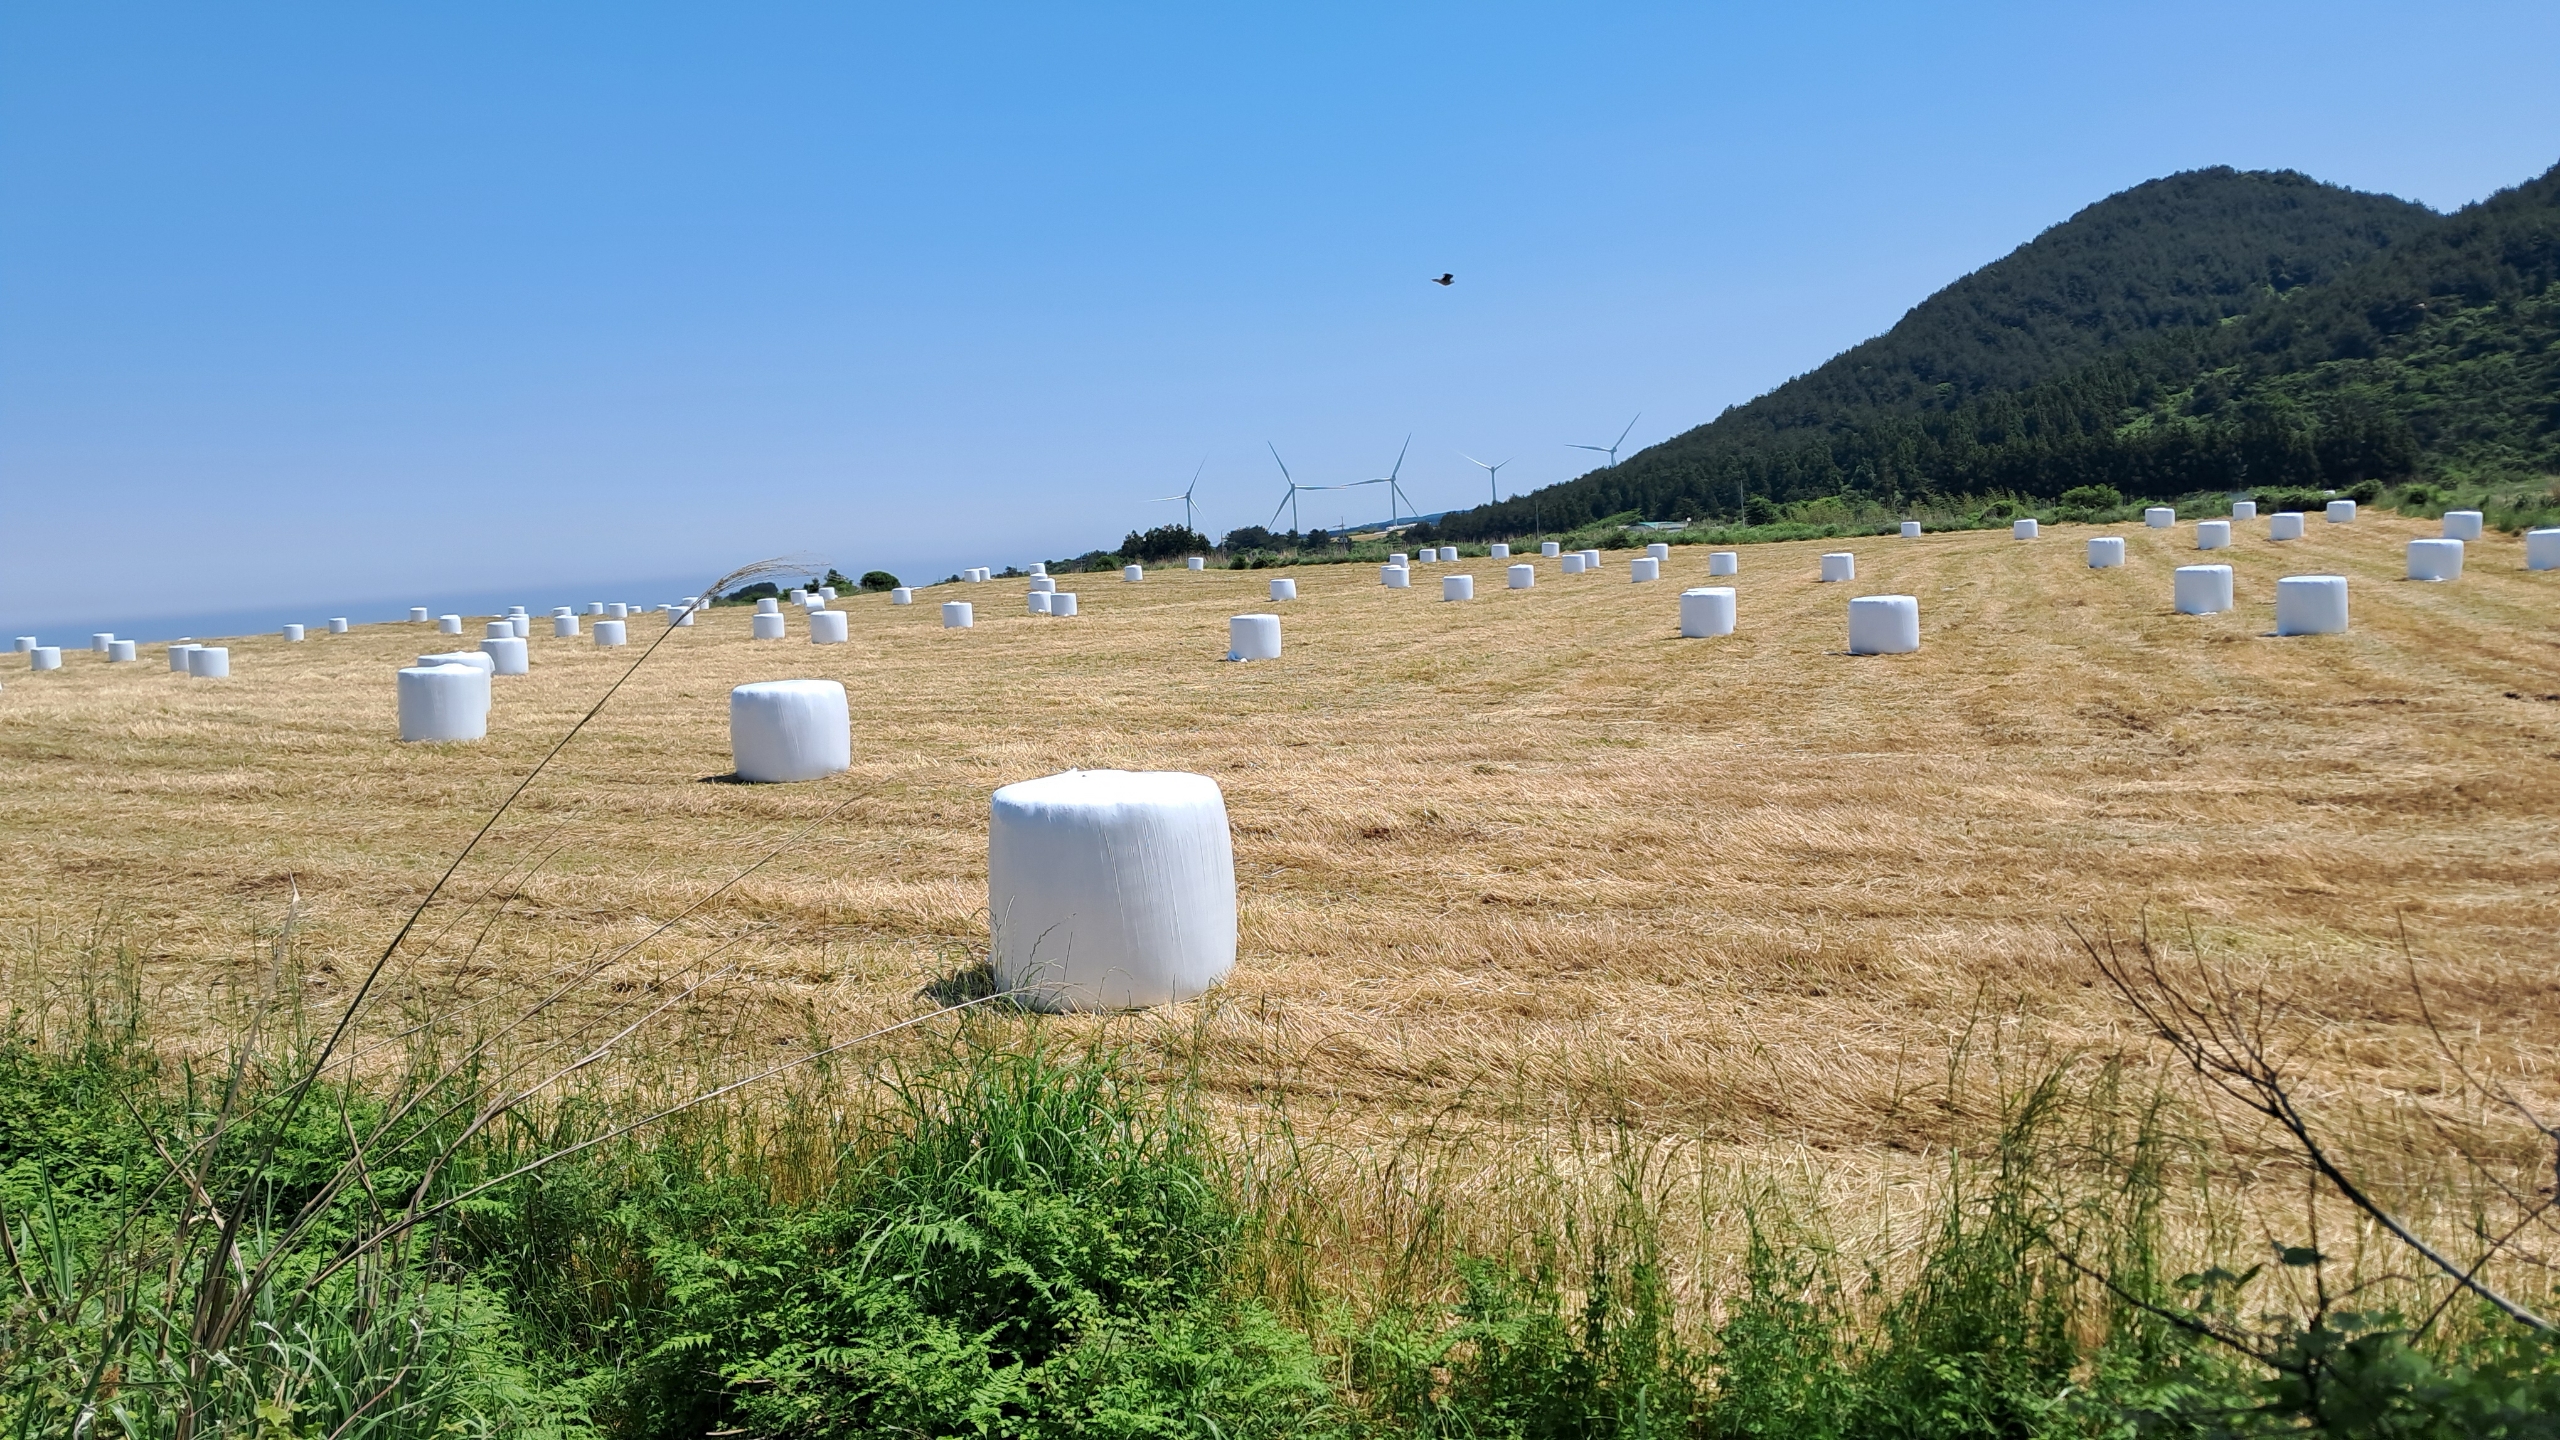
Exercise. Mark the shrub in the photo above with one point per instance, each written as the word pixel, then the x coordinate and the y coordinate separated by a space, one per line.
pixel 2090 497
pixel 1163 543
pixel 879 580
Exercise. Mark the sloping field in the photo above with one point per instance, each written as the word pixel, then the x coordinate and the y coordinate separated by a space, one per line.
pixel 1497 858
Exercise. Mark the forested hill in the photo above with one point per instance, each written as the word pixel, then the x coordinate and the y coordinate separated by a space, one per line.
pixel 1946 400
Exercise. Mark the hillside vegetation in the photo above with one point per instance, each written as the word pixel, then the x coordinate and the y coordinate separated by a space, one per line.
pixel 2372 340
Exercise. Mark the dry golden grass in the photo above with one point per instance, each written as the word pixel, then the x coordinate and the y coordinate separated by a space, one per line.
pixel 1525 857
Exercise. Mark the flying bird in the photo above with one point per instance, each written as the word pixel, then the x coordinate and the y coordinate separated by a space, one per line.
pixel 1446 280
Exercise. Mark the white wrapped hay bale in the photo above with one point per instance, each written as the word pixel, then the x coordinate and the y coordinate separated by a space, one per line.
pixel 417 614
pixel 595 608
pixel 448 624
pixel 1039 567
pixel 1498 552
pixel 1657 552
pixel 1839 565
pixel 768 606
pixel 564 627
pixel 1449 554
pixel 1706 611
pixel 100 641
pixel 1195 563
pixel 2160 517
pixel 520 626
pixel 1110 889
pixel 293 634
pixel 1884 625
pixel 24 644
pixel 2201 589
pixel 1590 560
pixel 958 615
pixel 2244 509
pixel 611 634
pixel 2311 605
pixel 2024 528
pixel 2285 525
pixel 769 627
pixel 1910 529
pixel 1725 562
pixel 444 702
pixel 814 604
pixel 1395 577
pixel 1641 570
pixel 1397 558
pixel 1522 576
pixel 1253 637
pixel 2106 552
pixel 827 627
pixel 1062 603
pixel 501 630
pixel 1572 564
pixel 1039 600
pixel 1457 587
pixel 2342 512
pixel 46 657
pixel 828 592
pixel 620 610
pixel 209 662
pixel 786 730
pixel 1132 574
pixel 682 613
pixel 120 652
pixel 798 596
pixel 477 659
pixel 2213 534
pixel 903 595
pixel 338 625
pixel 178 657
pixel 1284 589
pixel 1042 583
pixel 507 655
pixel 1549 549
pixel 2462 524
pixel 2435 559
pixel 2542 548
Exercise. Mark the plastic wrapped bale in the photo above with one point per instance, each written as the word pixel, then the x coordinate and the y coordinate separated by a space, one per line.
pixel 1449 554
pixel 1195 563
pixel 1253 637
pixel 2106 552
pixel 2024 528
pixel 24 644
pixel 617 610
pixel 1110 889
pixel 469 659
pixel 2244 509
pixel 293 634
pixel 1590 560
pixel 448 624
pixel 1041 583
pixel 786 730
pixel 1039 567
pixel 1398 558
pixel 100 641
pixel 417 614
pixel 1549 549
pixel 1062 603
pixel 827 627
pixel 1523 576
pixel 1641 570
pixel 595 608
pixel 2213 534
pixel 1706 611
pixel 509 655
pixel 209 662
pixel 338 625
pixel 1497 552
pixel 2435 559
pixel 769 627
pixel 1910 529
pixel 2285 525
pixel 2342 512
pixel 903 595
pixel 1657 552
pixel 1725 562
pixel 501 629
pixel 828 592
pixel 444 702
pixel 2462 524
pixel 1039 601
pixel 178 658
pixel 1284 589
pixel 2542 549
pixel 1457 587
pixel 1570 564
pixel 1884 625
pixel 611 634
pixel 814 604
pixel 45 657
pixel 958 615
pixel 122 652
pixel 1132 574
pixel 564 627
pixel 799 597
pixel 1395 577
pixel 1839 565
pixel 2311 605
pixel 768 606
pixel 2201 589
pixel 2160 517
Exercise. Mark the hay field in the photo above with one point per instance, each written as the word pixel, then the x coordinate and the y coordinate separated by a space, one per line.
pixel 1498 859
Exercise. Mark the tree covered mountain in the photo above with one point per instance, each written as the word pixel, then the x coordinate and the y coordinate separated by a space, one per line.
pixel 2212 329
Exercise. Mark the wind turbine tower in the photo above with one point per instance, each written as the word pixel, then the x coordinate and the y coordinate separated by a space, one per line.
pixel 1493 475
pixel 1185 498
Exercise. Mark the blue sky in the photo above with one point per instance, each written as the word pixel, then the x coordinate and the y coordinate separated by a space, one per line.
pixel 309 308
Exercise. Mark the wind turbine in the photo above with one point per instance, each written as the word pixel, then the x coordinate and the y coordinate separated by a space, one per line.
pixel 1185 497
pixel 1493 473
pixel 1288 502
pixel 1611 449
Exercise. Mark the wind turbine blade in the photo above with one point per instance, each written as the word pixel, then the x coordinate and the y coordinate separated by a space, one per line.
pixel 1623 434
pixel 1408 444
pixel 1470 459
pixel 1603 449
pixel 1283 464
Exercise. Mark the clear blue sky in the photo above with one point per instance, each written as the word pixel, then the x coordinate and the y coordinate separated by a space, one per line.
pixel 305 306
